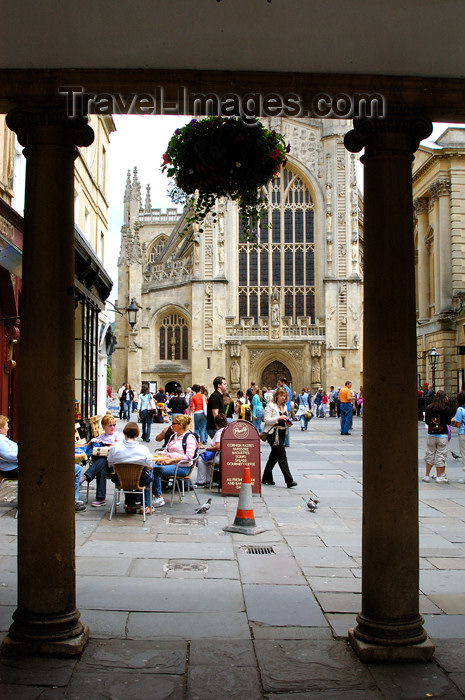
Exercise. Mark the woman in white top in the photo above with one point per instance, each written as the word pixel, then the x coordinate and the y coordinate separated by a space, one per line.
pixel 275 425
pixel 181 447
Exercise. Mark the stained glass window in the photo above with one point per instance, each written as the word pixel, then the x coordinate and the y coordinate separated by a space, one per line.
pixel 286 257
pixel 174 338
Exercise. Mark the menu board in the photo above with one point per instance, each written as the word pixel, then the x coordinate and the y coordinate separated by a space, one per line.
pixel 240 444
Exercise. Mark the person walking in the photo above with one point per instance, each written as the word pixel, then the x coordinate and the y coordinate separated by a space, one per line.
pixel 215 403
pixel 198 406
pixel 282 384
pixel 127 397
pixel 459 422
pixel 177 404
pixel 437 418
pixel 276 423
pixel 143 413
pixel 345 398
pixel 257 408
pixel 303 410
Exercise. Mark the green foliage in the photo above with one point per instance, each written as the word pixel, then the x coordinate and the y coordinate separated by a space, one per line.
pixel 108 373
pixel 224 157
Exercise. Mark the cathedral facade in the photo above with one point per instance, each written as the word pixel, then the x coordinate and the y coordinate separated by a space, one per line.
pixel 211 304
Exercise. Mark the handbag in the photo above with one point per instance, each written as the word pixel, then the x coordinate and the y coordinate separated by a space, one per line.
pixel 263 436
pixel 308 414
pixel 152 406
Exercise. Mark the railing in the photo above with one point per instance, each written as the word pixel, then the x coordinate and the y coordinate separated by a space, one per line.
pixel 156 217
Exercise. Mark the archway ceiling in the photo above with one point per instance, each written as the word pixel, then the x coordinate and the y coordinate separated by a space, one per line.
pixel 413 51
pixel 418 37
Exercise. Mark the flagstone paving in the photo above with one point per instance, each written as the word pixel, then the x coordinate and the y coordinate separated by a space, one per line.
pixel 180 609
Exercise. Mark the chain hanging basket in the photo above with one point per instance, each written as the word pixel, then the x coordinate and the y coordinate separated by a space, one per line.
pixel 224 157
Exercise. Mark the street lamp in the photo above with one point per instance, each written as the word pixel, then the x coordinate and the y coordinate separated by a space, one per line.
pixel 131 311
pixel 433 361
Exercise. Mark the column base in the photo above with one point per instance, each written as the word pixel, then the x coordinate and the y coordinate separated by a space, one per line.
pixel 378 653
pixel 74 646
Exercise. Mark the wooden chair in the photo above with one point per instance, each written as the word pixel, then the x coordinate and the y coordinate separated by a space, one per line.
pixel 216 473
pixel 178 479
pixel 96 425
pixel 129 477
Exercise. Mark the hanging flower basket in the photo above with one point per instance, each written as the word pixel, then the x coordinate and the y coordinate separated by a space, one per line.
pixel 224 157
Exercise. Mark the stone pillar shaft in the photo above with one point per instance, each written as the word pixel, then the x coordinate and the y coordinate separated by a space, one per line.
pixel 389 620
pixel 46 620
pixel 446 253
pixel 423 259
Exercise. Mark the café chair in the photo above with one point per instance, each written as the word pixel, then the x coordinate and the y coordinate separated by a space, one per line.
pixel 178 479
pixel 129 477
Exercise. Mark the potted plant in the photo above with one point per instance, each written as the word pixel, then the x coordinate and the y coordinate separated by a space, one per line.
pixel 224 157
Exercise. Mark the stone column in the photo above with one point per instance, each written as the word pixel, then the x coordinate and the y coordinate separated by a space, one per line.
pixel 421 208
pixel 441 189
pixel 46 620
pixel 389 626
pixel 434 208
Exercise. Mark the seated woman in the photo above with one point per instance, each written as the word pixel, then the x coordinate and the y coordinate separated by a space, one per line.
pixel 99 466
pixel 208 459
pixel 128 451
pixel 181 446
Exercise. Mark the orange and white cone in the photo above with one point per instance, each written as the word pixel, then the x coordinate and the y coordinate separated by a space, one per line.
pixel 244 522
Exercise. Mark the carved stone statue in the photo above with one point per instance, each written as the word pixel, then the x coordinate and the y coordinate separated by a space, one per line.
pixel 235 373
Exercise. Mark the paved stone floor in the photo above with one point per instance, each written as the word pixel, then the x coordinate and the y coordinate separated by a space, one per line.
pixel 179 609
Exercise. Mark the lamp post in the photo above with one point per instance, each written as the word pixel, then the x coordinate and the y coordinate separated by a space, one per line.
pixel 433 361
pixel 131 311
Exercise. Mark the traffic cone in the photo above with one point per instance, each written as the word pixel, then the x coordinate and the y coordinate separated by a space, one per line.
pixel 244 522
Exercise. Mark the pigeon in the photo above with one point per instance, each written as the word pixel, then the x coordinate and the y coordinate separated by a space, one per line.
pixel 455 455
pixel 312 504
pixel 204 508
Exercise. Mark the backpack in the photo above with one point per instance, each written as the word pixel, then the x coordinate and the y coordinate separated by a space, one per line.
pixel 245 412
pixel 184 441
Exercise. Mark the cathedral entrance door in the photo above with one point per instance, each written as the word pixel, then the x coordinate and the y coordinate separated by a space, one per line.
pixel 171 387
pixel 274 371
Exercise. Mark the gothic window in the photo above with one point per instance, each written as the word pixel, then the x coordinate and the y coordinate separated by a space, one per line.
pixel 157 248
pixel 174 338
pixel 286 256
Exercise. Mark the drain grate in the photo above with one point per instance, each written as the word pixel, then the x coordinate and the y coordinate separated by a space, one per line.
pixel 186 521
pixel 259 550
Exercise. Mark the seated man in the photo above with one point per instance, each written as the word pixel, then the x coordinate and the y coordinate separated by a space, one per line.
pixel 131 452
pixel 211 457
pixel 8 452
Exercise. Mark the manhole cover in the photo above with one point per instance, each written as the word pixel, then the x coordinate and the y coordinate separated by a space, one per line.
pixel 185 566
pixel 186 521
pixel 259 550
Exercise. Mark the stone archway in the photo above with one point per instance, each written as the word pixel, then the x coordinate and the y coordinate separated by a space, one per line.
pixel 274 371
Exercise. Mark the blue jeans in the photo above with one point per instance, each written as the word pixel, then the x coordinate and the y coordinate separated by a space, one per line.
pixel 258 424
pixel 98 470
pixel 146 420
pixel 127 410
pixel 77 476
pixel 346 417
pixel 200 426
pixel 303 422
pixel 160 470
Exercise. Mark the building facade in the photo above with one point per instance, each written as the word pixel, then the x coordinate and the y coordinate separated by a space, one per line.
pixel 439 204
pixel 92 283
pixel 212 304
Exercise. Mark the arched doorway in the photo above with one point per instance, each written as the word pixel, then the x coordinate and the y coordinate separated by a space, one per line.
pixel 274 371
pixel 171 387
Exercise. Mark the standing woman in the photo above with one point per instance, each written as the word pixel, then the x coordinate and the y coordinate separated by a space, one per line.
pixel 144 415
pixel 275 425
pixel 437 418
pixel 257 408
pixel 304 409
pixel 198 405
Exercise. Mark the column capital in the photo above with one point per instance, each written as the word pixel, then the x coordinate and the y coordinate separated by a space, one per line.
pixel 440 187
pixel 27 121
pixel 394 133
pixel 421 205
